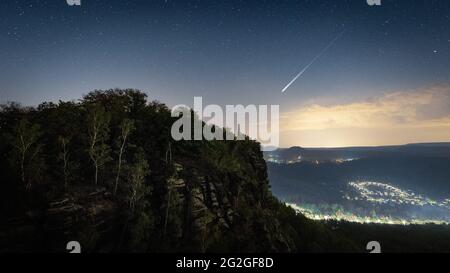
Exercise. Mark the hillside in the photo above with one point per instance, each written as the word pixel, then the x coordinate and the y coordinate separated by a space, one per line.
pixel 104 171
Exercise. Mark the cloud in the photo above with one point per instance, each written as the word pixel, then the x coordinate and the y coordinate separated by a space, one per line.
pixel 423 108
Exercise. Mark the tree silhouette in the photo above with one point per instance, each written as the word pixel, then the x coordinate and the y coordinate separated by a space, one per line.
pixel 98 131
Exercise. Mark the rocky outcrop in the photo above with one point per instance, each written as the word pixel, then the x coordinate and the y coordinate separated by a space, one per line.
pixel 85 215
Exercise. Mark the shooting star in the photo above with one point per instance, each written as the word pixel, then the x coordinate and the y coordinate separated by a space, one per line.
pixel 313 61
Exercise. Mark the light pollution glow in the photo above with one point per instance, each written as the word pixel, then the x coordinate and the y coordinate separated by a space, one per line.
pixel 398 117
pixel 349 217
pixel 378 194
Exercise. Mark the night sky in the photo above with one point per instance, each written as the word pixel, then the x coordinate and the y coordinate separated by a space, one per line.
pixel 385 80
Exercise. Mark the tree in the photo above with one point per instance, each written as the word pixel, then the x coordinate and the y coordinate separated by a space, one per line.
pixel 64 158
pixel 98 131
pixel 28 148
pixel 126 128
pixel 138 189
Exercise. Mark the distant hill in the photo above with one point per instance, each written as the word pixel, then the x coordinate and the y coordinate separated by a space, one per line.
pixel 297 154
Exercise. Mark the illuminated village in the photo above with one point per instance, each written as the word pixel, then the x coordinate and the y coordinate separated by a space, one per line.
pixel 375 197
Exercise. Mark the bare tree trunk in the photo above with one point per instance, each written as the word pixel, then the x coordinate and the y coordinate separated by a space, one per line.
pixel 23 150
pixel 167 209
pixel 27 136
pixel 119 164
pixel 169 154
pixel 96 173
pixel 168 161
pixel 65 163
pixel 92 152
pixel 22 168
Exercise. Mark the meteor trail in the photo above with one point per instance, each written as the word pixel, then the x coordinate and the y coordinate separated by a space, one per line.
pixel 313 61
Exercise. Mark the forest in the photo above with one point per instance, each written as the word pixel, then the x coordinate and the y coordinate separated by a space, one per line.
pixel 105 171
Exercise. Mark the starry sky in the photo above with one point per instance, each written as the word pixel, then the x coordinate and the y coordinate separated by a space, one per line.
pixel 384 77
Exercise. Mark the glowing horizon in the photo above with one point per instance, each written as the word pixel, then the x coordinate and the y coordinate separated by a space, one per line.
pixel 395 118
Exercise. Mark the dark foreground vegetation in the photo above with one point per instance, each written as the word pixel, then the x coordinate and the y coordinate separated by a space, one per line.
pixel 105 171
